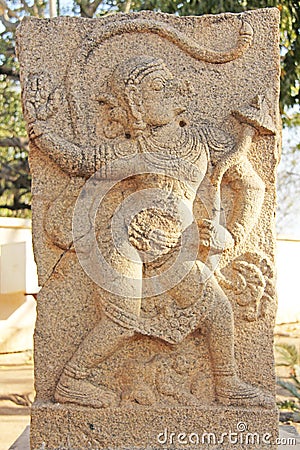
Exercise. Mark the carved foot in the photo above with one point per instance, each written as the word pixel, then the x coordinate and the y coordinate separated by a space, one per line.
pixel 143 396
pixel 234 392
pixel 84 393
pixel 187 399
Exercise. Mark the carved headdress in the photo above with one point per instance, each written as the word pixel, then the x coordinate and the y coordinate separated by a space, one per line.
pixel 125 79
pixel 83 63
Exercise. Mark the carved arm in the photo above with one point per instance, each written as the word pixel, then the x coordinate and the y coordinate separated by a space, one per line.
pixel 71 158
pixel 237 170
pixel 249 191
pixel 213 234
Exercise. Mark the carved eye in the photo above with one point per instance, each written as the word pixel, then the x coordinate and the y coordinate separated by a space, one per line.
pixel 158 84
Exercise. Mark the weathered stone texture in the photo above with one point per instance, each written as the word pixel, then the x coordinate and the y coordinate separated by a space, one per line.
pixel 154 142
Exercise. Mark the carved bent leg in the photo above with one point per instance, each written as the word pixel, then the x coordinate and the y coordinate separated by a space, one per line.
pixel 230 389
pixel 102 342
pixel 73 386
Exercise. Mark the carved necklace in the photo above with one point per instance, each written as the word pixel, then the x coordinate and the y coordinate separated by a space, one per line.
pixel 167 143
pixel 171 155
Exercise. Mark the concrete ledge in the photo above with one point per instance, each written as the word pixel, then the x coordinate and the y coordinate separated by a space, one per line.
pixel 14 222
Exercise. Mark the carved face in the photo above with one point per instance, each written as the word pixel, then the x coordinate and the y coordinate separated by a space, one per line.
pixel 158 98
pixel 144 94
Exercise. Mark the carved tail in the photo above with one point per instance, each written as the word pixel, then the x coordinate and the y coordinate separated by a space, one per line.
pixel 189 46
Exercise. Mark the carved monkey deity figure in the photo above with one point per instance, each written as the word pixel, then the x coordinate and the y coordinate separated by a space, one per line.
pixel 144 122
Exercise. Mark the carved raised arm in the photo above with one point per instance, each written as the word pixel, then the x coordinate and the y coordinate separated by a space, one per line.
pixel 71 158
pixel 41 102
pixel 237 170
pixel 249 195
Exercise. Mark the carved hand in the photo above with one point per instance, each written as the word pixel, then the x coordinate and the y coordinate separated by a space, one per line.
pixel 154 231
pixel 36 129
pixel 214 236
pixel 256 117
pixel 42 99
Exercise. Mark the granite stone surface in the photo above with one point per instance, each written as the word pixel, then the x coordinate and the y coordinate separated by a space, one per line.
pixel 154 142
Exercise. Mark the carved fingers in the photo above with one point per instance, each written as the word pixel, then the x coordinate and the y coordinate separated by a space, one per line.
pixel 214 236
pixel 41 98
pixel 255 117
pixel 35 129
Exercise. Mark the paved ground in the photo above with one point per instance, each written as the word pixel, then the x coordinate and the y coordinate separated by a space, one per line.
pixel 287 334
pixel 16 377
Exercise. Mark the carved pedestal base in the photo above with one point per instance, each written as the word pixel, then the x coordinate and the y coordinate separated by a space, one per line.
pixel 58 427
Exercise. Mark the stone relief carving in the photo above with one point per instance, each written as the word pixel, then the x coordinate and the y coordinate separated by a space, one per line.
pixel 143 124
pixel 181 40
pixel 242 38
pixel 42 99
pixel 250 282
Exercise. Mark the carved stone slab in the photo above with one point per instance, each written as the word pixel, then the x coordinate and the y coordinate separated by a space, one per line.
pixel 154 142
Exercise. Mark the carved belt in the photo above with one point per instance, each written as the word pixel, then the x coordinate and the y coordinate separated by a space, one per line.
pixel 173 329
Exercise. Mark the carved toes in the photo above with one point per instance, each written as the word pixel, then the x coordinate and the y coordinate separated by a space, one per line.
pixel 84 393
pixel 238 393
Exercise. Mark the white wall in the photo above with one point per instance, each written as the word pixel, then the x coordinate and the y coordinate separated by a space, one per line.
pixel 19 230
pixel 18 276
pixel 288 280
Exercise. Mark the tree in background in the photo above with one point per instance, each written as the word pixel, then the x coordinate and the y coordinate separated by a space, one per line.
pixel 15 177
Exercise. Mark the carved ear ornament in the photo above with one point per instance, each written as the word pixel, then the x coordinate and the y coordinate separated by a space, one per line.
pixel 107 99
pixel 115 114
